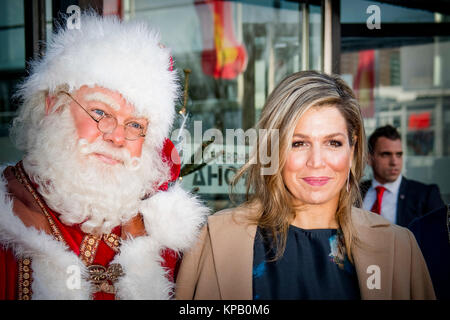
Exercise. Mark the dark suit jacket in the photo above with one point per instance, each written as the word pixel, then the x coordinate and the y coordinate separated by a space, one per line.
pixel 415 199
pixel 432 236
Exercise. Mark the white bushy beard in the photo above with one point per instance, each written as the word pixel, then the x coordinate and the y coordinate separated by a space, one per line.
pixel 83 189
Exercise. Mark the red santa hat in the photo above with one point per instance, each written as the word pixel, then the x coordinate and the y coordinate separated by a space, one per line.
pixel 126 57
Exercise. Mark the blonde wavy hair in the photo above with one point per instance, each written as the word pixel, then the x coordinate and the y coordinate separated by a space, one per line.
pixel 292 97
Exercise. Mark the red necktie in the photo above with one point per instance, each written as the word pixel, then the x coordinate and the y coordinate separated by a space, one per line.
pixel 377 204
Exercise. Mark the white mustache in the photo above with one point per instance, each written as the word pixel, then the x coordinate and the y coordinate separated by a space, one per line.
pixel 99 146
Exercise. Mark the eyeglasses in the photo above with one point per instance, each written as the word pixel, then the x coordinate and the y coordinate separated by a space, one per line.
pixel 107 123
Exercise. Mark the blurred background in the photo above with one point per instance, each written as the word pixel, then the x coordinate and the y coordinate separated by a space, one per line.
pixel 395 54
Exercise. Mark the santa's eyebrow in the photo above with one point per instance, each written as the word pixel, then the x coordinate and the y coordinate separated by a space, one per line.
pixel 98 96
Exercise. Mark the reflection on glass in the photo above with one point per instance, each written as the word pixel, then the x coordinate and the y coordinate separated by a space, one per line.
pixel 12 66
pixel 355 11
pixel 402 82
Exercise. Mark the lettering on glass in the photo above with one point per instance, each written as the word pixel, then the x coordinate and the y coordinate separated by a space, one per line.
pixel 73 21
pixel 374 20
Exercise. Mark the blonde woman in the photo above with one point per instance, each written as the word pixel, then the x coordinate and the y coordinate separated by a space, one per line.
pixel 298 235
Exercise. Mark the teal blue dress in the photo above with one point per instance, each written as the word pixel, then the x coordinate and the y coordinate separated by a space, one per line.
pixel 311 268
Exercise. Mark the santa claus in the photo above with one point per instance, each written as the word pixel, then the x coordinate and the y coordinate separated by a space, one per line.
pixel 93 211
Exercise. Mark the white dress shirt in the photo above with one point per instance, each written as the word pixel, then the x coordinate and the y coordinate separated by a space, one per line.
pixel 390 198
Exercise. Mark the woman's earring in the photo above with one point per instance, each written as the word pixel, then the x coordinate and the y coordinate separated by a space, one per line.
pixel 348 178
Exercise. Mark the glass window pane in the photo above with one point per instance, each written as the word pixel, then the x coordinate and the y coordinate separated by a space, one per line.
pixel 355 11
pixel 12 68
pixel 401 81
pixel 315 40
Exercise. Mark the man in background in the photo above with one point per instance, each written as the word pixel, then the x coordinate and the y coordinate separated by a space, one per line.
pixel 396 198
pixel 432 233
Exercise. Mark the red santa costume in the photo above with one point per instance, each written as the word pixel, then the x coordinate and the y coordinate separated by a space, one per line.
pixel 127 58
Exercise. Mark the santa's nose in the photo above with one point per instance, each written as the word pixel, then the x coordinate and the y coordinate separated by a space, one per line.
pixel 116 137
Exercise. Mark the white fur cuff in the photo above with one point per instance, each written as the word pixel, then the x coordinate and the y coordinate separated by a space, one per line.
pixel 173 218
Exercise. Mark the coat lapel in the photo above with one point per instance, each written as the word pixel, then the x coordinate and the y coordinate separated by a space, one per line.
pixel 373 255
pixel 233 248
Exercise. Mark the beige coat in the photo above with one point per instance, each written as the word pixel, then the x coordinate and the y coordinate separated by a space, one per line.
pixel 220 266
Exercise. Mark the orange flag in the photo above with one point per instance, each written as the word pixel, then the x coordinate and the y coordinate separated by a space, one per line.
pixel 222 56
pixel 364 83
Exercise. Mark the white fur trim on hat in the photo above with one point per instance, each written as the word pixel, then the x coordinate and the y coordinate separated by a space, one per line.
pixel 121 56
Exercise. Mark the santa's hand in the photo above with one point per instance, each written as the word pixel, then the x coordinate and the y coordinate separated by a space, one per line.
pixel 134 228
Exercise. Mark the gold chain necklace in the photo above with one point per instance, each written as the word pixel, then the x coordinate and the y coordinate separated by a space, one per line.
pixel 23 179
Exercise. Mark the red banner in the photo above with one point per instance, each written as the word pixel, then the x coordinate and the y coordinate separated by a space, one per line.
pixel 113 7
pixel 364 83
pixel 419 120
pixel 222 56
